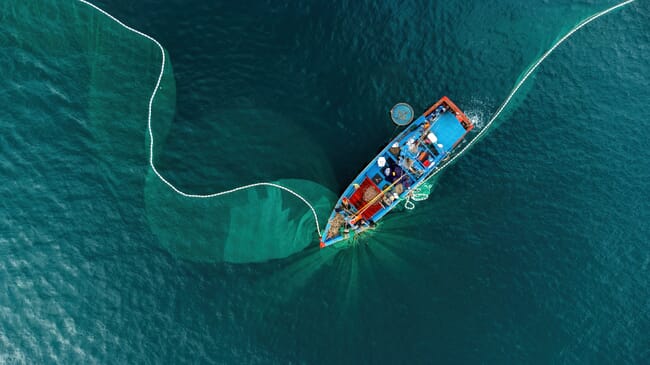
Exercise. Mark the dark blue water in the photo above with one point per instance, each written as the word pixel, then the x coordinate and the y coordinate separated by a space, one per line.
pixel 533 248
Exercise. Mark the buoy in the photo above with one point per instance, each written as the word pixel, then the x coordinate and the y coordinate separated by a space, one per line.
pixel 402 114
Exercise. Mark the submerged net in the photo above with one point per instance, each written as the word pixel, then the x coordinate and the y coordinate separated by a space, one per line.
pixel 113 72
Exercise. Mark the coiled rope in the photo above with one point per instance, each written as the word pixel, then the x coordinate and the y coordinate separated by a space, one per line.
pixel 408 204
pixel 151 163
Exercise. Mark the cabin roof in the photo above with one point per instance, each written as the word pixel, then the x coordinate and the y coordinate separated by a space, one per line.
pixel 448 130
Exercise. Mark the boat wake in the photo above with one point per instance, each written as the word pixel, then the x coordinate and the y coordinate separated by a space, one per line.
pixel 478 118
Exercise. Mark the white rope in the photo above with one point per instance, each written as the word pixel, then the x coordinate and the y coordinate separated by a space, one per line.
pixel 153 167
pixel 408 204
pixel 521 82
pixel 462 151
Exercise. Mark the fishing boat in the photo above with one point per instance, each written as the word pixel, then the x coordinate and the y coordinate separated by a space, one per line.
pixel 407 161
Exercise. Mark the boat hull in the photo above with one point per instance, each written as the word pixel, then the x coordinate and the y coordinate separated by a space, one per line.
pixel 401 166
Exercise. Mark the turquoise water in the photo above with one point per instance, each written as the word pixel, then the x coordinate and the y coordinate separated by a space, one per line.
pixel 533 248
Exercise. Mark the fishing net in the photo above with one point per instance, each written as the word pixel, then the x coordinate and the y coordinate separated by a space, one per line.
pixel 225 141
pixel 113 71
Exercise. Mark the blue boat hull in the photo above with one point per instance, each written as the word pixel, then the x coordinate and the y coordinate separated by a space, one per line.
pixel 407 161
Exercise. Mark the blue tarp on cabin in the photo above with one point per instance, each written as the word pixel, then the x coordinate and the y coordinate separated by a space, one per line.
pixel 448 130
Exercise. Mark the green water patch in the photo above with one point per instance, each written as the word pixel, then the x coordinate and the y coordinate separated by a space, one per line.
pixel 237 147
pixel 251 225
pixel 115 72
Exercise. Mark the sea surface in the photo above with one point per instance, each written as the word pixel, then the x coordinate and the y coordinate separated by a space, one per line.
pixel 534 248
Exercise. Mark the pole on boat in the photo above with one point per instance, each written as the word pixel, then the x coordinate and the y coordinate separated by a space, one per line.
pixel 372 201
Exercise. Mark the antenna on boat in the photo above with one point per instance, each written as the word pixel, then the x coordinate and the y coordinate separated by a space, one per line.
pixel 402 114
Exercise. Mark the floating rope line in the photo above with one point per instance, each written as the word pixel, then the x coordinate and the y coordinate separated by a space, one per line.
pixel 437 171
pixel 409 204
pixel 153 167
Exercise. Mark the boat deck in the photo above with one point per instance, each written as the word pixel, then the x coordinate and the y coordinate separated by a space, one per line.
pixel 407 160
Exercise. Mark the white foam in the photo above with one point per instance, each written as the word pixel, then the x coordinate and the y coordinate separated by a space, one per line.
pixel 523 80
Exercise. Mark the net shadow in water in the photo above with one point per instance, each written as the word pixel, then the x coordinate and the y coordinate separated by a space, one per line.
pixel 253 225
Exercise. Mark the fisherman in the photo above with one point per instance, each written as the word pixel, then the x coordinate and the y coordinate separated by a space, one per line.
pixel 394 149
pixel 345 202
pixel 387 200
pixel 408 163
pixel 356 221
